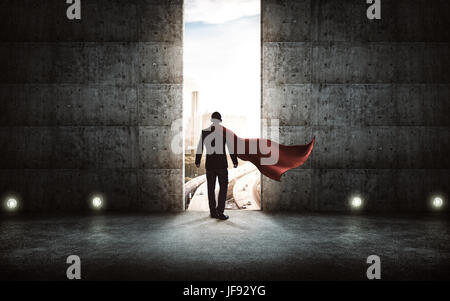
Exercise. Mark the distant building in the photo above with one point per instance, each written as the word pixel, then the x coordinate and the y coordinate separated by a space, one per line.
pixel 193 124
pixel 236 123
pixel 196 122
pixel 206 120
pixel 195 116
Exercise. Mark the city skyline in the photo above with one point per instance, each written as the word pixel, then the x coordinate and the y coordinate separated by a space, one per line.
pixel 200 120
pixel 222 59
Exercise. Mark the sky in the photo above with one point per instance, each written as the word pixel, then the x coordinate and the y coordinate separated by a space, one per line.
pixel 222 58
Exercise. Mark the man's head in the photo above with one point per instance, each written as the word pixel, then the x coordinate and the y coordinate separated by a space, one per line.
pixel 216 117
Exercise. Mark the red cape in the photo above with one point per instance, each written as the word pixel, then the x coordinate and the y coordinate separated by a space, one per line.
pixel 290 156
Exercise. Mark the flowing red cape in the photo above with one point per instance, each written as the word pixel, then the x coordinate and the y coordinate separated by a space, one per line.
pixel 290 156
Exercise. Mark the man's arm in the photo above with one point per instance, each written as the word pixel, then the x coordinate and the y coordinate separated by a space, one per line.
pixel 233 156
pixel 199 152
pixel 234 159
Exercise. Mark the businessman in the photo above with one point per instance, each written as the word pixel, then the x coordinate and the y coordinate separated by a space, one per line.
pixel 214 140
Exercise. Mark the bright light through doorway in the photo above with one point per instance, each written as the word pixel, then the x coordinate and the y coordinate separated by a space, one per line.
pixel 222 60
pixel 222 72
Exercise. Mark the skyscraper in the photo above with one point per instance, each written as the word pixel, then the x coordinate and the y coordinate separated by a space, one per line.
pixel 193 126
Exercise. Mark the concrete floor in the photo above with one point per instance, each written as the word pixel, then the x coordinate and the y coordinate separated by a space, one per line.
pixel 252 245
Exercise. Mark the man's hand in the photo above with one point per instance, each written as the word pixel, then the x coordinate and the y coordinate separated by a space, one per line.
pixel 198 165
pixel 235 165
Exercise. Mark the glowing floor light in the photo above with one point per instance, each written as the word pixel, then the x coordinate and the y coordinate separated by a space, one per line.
pixel 97 202
pixel 356 202
pixel 11 204
pixel 437 202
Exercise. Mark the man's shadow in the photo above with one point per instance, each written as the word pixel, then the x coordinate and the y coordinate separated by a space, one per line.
pixel 205 219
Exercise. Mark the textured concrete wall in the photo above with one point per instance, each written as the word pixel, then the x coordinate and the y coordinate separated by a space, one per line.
pixel 87 106
pixel 375 93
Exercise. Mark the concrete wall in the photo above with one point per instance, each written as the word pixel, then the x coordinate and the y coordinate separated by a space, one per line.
pixel 87 106
pixel 375 93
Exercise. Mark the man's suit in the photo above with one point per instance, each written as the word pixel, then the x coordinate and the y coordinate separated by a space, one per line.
pixel 214 140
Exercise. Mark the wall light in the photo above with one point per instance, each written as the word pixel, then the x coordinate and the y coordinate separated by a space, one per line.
pixel 356 202
pixel 97 202
pixel 11 203
pixel 437 202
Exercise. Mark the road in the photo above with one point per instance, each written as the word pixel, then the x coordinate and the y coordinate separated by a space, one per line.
pixel 245 174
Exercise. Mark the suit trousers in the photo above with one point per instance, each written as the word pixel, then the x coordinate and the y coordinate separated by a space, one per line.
pixel 211 175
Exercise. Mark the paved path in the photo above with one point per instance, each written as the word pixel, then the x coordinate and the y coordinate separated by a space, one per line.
pixel 199 201
pixel 245 192
pixel 251 245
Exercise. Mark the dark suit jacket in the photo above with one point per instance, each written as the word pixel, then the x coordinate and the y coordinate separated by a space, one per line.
pixel 214 159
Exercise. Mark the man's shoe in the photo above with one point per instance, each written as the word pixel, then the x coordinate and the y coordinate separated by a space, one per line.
pixel 214 215
pixel 222 217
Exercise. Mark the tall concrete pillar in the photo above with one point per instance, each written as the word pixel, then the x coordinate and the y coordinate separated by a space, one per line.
pixel 88 106
pixel 374 93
